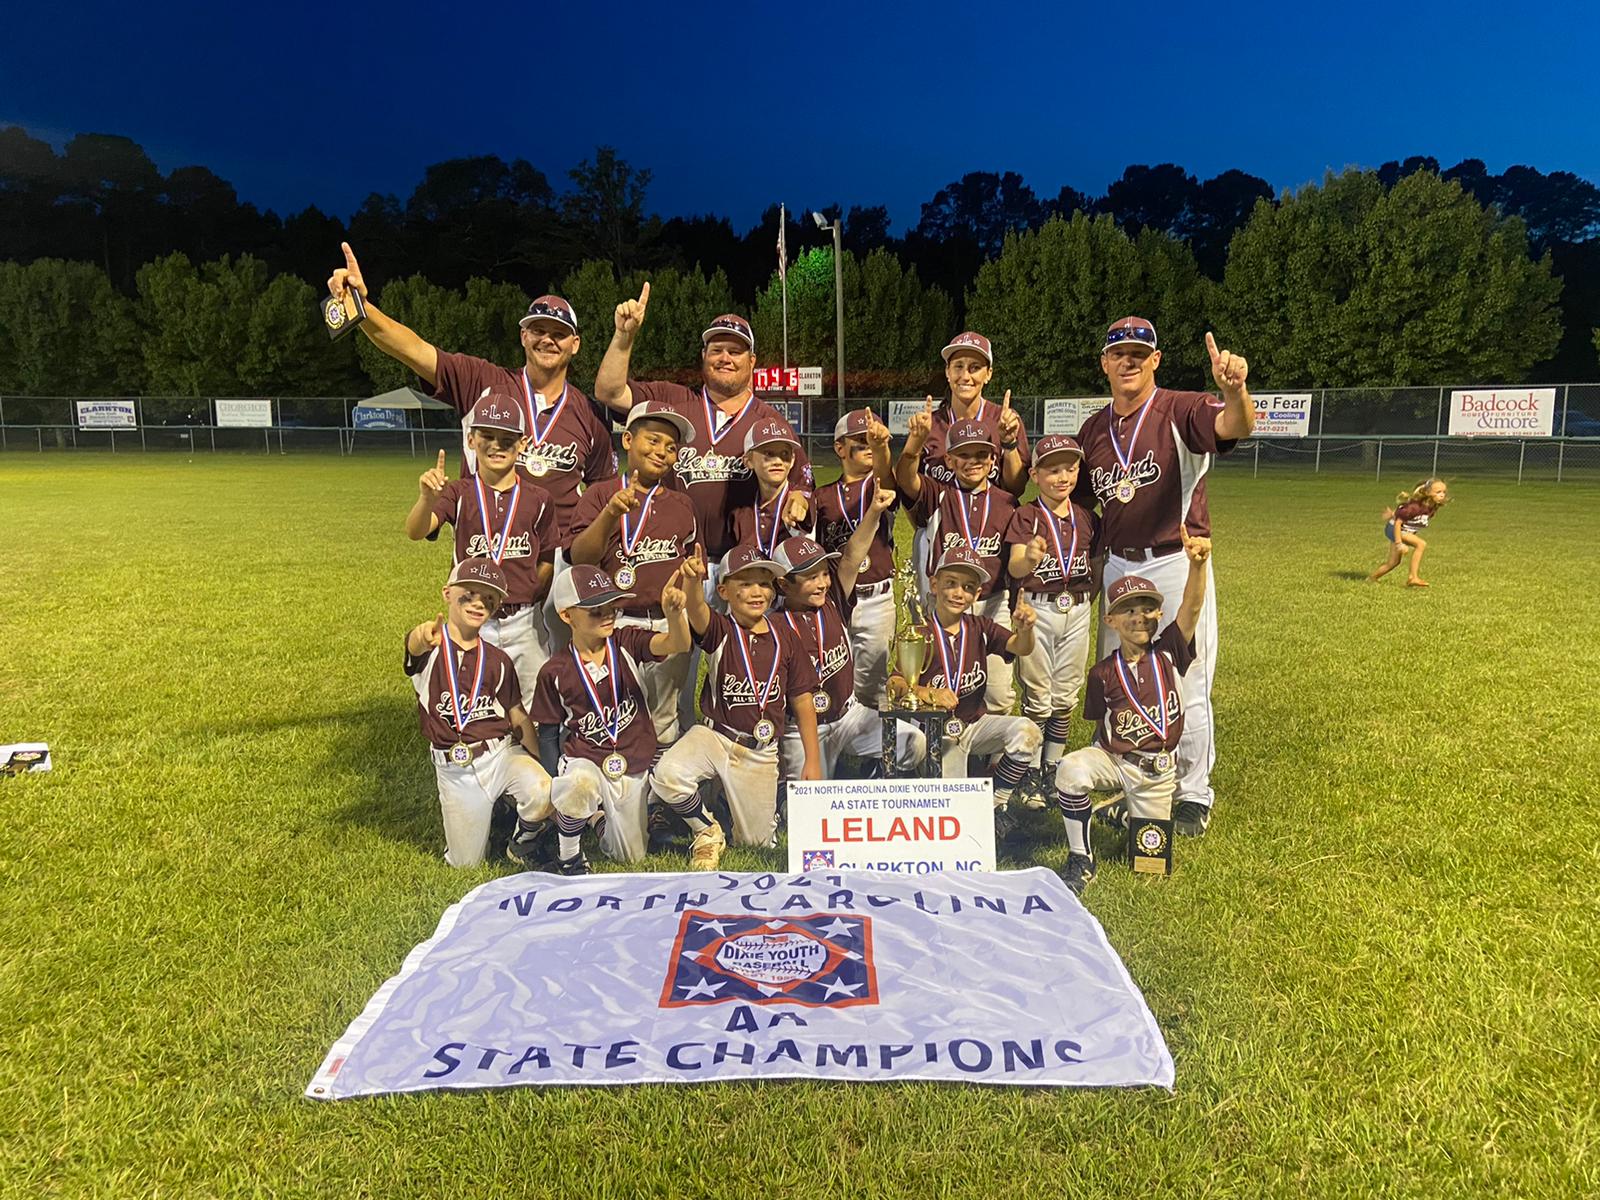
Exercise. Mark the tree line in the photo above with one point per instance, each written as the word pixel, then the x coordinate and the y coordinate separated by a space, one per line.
pixel 122 279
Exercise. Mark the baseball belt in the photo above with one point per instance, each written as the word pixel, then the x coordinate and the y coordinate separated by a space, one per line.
pixel 441 758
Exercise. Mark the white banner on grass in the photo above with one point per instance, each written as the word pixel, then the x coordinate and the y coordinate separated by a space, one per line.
pixel 1068 416
pixel 107 414
pixel 1282 414
pixel 1503 412
pixel 243 414
pixel 688 978
pixel 907 826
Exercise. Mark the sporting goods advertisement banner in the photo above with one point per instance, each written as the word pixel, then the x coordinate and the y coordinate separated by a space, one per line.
pixel 686 978
pixel 1068 415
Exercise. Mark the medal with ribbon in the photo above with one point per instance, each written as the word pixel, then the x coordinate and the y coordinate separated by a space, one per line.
pixel 861 502
pixel 615 765
pixel 819 698
pixel 625 576
pixel 1157 722
pixel 460 755
pixel 767 547
pixel 952 676
pixel 712 412
pixel 966 521
pixel 764 728
pixel 1126 487
pixel 536 435
pixel 496 549
pixel 1052 523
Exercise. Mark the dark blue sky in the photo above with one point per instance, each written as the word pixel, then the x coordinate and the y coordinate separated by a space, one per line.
pixel 738 107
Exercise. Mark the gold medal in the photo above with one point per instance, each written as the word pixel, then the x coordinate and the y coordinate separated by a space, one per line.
pixel 624 577
pixel 460 754
pixel 954 728
pixel 1127 489
pixel 821 700
pixel 763 731
pixel 538 468
pixel 1064 601
pixel 615 766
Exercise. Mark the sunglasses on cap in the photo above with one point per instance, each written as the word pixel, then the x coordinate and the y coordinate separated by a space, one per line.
pixel 1142 334
pixel 541 309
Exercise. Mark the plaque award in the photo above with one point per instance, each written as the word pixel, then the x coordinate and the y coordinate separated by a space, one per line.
pixel 339 317
pixel 1150 846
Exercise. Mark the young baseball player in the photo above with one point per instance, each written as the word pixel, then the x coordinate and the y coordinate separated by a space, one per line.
pixel 956 678
pixel 862 444
pixel 1051 549
pixel 592 691
pixel 755 676
pixel 469 704
pixel 1402 526
pixel 501 513
pixel 1134 700
pixel 641 529
pixel 818 593
pixel 770 447
pixel 969 512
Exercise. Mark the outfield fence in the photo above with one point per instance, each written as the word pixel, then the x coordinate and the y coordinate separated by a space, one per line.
pixel 1398 433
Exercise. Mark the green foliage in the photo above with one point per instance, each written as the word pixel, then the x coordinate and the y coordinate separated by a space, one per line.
pixel 1347 284
pixel 682 304
pixel 483 321
pixel 1045 303
pixel 64 331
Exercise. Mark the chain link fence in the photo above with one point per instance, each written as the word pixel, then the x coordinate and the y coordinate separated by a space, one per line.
pixel 1398 433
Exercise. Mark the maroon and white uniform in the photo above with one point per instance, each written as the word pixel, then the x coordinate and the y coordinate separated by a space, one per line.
pixel 840 508
pixel 1053 674
pixel 1414 516
pixel 569 436
pixel 711 468
pixel 987 414
pixel 1168 444
pixel 971 649
pixel 759 524
pixel 473 707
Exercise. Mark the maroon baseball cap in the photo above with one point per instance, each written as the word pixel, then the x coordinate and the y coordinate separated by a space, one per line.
pixel 1131 587
pixel 798 555
pixel 500 411
pixel 584 586
pixel 551 308
pixel 1055 443
pixel 975 342
pixel 478 573
pixel 961 558
pixel 655 410
pixel 769 430
pixel 853 424
pixel 745 558
pixel 730 325
pixel 1131 329
pixel 969 433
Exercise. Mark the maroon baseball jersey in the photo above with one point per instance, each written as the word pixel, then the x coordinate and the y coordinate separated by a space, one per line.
pixel 986 414
pixel 1120 726
pixel 488 716
pixel 1073 533
pixel 753 524
pixel 830 656
pixel 969 660
pixel 660 539
pixel 840 507
pixel 532 538
pixel 1167 458
pixel 569 437
pixel 711 467
pixel 560 698
pixel 1413 516
pixel 950 513
pixel 730 696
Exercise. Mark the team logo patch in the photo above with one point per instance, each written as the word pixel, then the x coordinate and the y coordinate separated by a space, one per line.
pixel 811 860
pixel 1152 840
pixel 821 960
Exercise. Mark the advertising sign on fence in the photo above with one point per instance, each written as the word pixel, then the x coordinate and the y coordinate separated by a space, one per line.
pixel 811 381
pixel 243 414
pixel 900 414
pixel 792 411
pixel 1503 412
pixel 107 414
pixel 1068 416
pixel 1282 414
pixel 379 418
pixel 908 826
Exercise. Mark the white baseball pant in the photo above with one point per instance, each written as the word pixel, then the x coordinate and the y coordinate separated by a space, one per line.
pixel 663 681
pixel 992 734
pixel 858 731
pixel 467 796
pixel 581 789
pixel 1197 750
pixel 522 637
pixel 1000 696
pixel 749 780
pixel 1092 769
pixel 871 630
pixel 1052 676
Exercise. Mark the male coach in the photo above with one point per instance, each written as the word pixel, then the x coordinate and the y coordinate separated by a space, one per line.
pixel 1145 459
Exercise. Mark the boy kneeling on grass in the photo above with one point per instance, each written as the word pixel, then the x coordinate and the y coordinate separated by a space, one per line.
pixel 470 705
pixel 1134 698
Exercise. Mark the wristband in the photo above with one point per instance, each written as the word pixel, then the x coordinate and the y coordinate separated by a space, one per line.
pixel 1008 446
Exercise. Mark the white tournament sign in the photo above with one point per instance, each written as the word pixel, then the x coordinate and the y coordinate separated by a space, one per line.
pixel 905 826
pixel 1503 412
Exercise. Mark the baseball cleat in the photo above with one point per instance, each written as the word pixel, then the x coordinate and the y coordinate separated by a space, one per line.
pixel 1113 815
pixel 1078 873
pixel 665 827
pixel 576 865
pixel 533 844
pixel 1191 818
pixel 1005 824
pixel 705 853
pixel 1034 792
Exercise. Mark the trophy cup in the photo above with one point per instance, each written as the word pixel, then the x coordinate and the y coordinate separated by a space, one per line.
pixel 910 648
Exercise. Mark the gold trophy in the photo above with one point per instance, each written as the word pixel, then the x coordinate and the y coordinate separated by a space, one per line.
pixel 910 649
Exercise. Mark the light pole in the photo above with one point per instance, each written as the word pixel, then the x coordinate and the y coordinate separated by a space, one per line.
pixel 838 298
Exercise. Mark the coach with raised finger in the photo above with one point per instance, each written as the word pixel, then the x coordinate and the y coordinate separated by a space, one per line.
pixel 1145 459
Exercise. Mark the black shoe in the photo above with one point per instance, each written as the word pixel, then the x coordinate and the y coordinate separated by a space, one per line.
pixel 533 845
pixel 576 865
pixel 665 827
pixel 1035 791
pixel 1005 825
pixel 502 823
pixel 1078 873
pixel 1114 816
pixel 1191 818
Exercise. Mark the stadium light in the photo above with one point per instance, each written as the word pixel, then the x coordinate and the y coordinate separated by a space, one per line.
pixel 838 299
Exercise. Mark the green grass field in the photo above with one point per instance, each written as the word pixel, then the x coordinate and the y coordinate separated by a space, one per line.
pixel 1377 974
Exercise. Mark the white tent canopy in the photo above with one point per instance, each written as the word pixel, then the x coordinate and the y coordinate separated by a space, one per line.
pixel 402 398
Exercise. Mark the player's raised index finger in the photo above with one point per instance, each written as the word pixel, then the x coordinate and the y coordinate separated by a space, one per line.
pixel 441 460
pixel 1211 346
pixel 644 294
pixel 349 256
pixel 1006 402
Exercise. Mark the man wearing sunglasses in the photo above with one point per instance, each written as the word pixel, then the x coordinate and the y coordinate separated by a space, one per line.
pixel 1145 458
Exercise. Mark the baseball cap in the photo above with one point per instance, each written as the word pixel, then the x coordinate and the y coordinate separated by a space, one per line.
pixel 767 430
pixel 654 410
pixel 1130 587
pixel 969 341
pixel 746 557
pixel 500 411
pixel 797 555
pixel 730 325
pixel 583 586
pixel 1131 329
pixel 961 558
pixel 969 433
pixel 478 573
pixel 853 424
pixel 552 308
pixel 1055 443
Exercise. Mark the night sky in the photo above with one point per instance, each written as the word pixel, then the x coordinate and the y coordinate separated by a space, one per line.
pixel 738 107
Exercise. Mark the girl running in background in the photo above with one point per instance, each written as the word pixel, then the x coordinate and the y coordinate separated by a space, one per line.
pixel 1402 525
